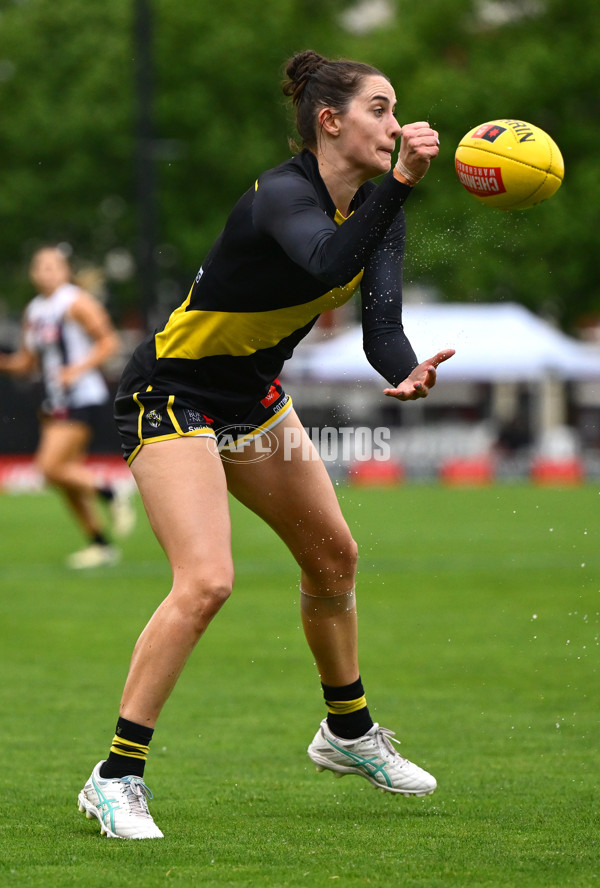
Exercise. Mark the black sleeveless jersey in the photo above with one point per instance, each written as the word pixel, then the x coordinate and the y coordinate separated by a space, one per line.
pixel 286 254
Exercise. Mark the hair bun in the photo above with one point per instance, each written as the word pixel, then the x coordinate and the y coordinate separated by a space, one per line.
pixel 298 70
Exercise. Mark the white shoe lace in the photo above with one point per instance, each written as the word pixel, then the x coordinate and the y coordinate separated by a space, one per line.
pixel 137 792
pixel 387 738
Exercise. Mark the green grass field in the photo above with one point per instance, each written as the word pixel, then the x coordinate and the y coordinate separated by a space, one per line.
pixel 480 642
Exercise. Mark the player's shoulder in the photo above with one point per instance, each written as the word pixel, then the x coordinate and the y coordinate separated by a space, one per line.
pixel 33 306
pixel 296 172
pixel 66 295
pixel 53 305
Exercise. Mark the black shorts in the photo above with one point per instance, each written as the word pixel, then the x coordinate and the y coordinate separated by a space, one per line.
pixel 93 415
pixel 148 416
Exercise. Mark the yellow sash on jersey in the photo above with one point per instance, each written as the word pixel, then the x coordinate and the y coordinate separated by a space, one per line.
pixel 199 334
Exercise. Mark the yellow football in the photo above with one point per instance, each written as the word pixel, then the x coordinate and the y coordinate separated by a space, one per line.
pixel 509 164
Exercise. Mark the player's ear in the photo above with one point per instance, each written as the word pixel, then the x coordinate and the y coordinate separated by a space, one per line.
pixel 329 121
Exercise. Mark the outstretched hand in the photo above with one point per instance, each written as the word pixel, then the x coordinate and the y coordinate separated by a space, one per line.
pixel 421 380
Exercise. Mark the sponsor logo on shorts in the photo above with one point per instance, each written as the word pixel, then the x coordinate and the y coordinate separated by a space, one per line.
pixel 272 395
pixel 280 405
pixel 489 132
pixel 196 419
pixel 154 418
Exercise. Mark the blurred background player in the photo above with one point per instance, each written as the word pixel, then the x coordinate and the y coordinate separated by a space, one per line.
pixel 67 336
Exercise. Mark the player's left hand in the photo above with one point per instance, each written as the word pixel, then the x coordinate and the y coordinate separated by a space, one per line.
pixel 421 380
pixel 418 146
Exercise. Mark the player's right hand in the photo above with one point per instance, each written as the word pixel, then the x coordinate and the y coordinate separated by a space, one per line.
pixel 421 380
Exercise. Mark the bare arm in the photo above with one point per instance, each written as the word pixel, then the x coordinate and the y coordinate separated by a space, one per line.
pixel 95 320
pixel 21 362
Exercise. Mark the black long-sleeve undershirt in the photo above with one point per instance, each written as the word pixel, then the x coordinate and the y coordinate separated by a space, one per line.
pixel 284 256
pixel 372 238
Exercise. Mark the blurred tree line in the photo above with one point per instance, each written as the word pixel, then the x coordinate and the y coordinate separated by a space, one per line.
pixel 72 138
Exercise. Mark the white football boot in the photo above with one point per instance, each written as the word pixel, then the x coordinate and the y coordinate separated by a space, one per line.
pixel 371 756
pixel 122 512
pixel 119 805
pixel 94 555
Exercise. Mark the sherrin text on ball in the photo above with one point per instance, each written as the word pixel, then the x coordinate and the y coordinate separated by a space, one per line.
pixel 509 164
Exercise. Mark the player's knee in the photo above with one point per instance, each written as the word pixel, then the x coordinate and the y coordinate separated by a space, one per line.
pixel 345 557
pixel 201 594
pixel 212 592
pixel 50 470
pixel 350 557
pixel 333 564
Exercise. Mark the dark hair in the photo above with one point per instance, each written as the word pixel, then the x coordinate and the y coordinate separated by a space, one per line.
pixel 314 82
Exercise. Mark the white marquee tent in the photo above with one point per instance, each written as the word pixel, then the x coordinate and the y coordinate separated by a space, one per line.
pixel 494 343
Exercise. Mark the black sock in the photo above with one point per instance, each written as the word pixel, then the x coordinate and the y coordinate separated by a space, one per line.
pixel 347 711
pixel 129 750
pixel 106 493
pixel 100 539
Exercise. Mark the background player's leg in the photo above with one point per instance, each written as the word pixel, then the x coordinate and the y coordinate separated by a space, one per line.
pixel 60 454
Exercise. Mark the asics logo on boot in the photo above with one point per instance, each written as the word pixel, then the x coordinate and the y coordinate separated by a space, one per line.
pixel 372 766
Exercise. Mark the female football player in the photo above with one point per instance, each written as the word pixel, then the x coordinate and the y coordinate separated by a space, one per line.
pixel 67 336
pixel 300 241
